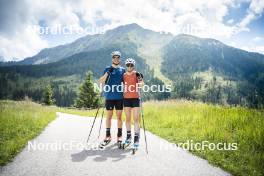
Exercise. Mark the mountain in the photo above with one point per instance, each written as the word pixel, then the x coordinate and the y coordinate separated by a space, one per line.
pixel 189 54
pixel 198 68
pixel 208 70
pixel 119 36
pixel 78 64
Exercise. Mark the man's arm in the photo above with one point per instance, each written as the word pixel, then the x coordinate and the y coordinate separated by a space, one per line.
pixel 103 78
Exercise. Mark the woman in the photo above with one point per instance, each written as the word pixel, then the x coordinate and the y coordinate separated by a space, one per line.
pixel 132 81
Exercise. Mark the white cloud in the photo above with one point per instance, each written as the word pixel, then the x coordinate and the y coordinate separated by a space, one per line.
pixel 54 12
pixel 252 45
pixel 258 39
pixel 24 41
pixel 259 49
pixel 254 11
pixel 170 16
pixel 251 48
pixel 201 18
pixel 230 21
pixel 21 45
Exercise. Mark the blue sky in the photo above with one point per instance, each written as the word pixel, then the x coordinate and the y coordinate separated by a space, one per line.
pixel 238 23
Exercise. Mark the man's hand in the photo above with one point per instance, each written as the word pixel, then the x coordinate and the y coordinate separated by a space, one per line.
pixel 139 76
pixel 110 70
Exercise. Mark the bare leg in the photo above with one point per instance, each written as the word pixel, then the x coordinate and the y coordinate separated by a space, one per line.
pixel 119 118
pixel 119 126
pixel 109 115
pixel 136 117
pixel 128 118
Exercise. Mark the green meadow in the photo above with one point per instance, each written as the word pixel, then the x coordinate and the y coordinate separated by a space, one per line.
pixel 177 121
pixel 180 121
pixel 20 121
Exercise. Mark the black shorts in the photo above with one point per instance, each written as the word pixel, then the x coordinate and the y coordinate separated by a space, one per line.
pixel 131 102
pixel 114 104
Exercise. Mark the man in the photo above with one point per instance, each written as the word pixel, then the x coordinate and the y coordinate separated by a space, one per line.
pixel 132 81
pixel 113 78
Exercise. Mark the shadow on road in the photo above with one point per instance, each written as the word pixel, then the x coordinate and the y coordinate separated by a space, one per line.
pixel 109 152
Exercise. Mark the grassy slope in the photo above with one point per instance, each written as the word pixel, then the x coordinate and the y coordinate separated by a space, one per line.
pixel 21 121
pixel 180 121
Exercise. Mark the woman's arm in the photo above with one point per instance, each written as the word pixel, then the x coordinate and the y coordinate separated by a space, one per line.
pixel 140 79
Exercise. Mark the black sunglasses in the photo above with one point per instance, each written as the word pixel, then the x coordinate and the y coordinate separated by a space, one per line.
pixel 129 65
pixel 116 57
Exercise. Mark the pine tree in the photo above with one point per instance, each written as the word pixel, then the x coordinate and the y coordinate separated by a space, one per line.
pixel 87 97
pixel 48 96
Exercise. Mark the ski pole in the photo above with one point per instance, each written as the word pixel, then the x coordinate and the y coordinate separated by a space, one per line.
pixel 97 112
pixel 93 123
pixel 101 124
pixel 142 116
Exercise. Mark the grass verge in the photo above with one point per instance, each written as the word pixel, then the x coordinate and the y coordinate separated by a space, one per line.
pixel 180 121
pixel 21 121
